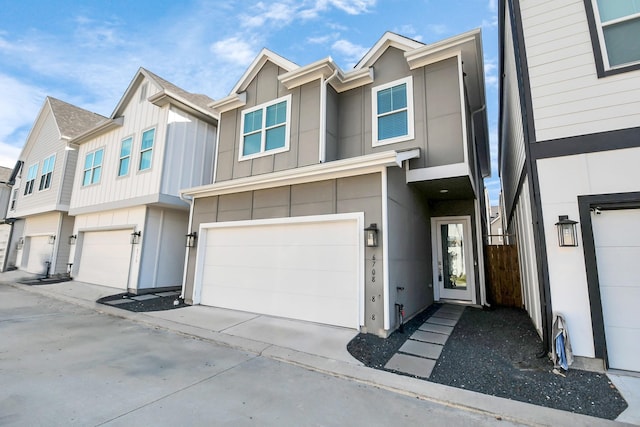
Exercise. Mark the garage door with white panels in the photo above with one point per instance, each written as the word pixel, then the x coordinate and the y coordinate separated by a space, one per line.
pixel 105 258
pixel 616 236
pixel 40 251
pixel 305 268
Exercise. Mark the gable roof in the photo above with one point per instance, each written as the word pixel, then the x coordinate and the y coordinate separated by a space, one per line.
pixel 387 40
pixel 259 61
pixel 71 120
pixel 168 92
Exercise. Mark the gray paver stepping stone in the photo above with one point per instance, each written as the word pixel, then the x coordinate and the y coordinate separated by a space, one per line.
pixel 448 315
pixel 452 308
pixel 441 321
pixel 411 365
pixel 144 297
pixel 430 327
pixel 422 349
pixel 167 294
pixel 429 337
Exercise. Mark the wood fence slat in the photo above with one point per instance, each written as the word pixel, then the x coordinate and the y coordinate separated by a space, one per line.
pixel 503 275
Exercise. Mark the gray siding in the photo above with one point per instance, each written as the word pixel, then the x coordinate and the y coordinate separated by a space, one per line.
pixel 62 240
pixel 409 246
pixel 67 179
pixel 343 195
pixel 437 112
pixel 332 122
pixel 304 128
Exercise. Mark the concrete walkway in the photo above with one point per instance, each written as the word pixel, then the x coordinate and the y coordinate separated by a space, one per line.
pixel 317 347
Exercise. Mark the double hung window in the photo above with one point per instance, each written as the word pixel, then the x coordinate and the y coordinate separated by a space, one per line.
pixel 393 112
pixel 31 179
pixel 618 26
pixel 47 172
pixel 125 156
pixel 146 149
pixel 92 167
pixel 265 128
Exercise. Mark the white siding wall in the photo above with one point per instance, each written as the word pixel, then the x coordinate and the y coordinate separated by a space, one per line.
pixel 189 152
pixel 613 171
pixel 138 117
pixel 568 98
pixel 43 142
pixel 112 220
pixel 512 136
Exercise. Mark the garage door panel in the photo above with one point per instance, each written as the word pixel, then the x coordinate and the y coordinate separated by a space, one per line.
pixel 39 253
pixel 617 244
pixel 105 258
pixel 307 270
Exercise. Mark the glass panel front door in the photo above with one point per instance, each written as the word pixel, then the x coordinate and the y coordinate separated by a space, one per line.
pixel 454 264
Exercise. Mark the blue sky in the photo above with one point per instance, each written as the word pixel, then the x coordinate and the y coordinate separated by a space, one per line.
pixel 86 53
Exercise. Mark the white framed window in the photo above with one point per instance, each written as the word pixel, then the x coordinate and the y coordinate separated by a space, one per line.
pixel 31 179
pixel 47 172
pixel 92 167
pixel 392 111
pixel 265 129
pixel 146 149
pixel 14 199
pixel 618 27
pixel 125 156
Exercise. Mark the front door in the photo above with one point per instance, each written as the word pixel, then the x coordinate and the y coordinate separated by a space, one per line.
pixel 453 265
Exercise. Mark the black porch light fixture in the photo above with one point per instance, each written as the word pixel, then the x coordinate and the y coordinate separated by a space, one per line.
pixel 20 243
pixel 567 234
pixel 191 239
pixel 135 237
pixel 72 239
pixel 371 236
pixel 52 239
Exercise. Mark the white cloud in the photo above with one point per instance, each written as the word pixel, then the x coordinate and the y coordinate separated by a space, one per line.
pixel 235 50
pixel 278 14
pixel 493 5
pixel 437 29
pixel 350 51
pixel 491 73
pixel 351 7
pixel 490 23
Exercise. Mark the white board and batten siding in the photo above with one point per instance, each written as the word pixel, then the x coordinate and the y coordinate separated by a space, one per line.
pixel 304 268
pixel 189 152
pixel 568 97
pixel 592 173
pixel 139 116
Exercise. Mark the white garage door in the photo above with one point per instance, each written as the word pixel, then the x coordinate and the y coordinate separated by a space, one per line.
pixel 39 252
pixel 617 240
pixel 105 258
pixel 305 270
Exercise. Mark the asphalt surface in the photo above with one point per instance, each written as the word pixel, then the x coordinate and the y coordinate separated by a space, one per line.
pixel 64 365
pixel 494 352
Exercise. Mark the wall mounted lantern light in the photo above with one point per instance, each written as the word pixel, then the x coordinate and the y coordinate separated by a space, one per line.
pixel 52 240
pixel 371 236
pixel 72 239
pixel 135 237
pixel 567 234
pixel 20 243
pixel 191 239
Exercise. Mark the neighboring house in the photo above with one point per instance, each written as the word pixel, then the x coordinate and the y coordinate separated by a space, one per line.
pixel 130 221
pixel 570 146
pixel 6 226
pixel 496 228
pixel 41 193
pixel 311 159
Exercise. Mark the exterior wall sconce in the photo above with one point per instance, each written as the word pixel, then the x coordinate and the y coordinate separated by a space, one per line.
pixel 371 236
pixel 52 240
pixel 567 234
pixel 191 239
pixel 135 237
pixel 20 244
pixel 69 268
pixel 72 239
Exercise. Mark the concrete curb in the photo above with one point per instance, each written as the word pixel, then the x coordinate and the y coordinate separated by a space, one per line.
pixel 500 408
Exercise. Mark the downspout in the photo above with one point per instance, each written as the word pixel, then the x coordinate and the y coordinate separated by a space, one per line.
pixel 322 154
pixel 188 200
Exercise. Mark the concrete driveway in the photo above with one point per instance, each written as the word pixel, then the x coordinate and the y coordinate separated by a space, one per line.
pixel 62 364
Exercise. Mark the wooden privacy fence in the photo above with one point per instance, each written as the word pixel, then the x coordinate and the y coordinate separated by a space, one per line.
pixel 503 275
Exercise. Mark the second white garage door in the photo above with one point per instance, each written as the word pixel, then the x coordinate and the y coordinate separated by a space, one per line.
pixel 307 270
pixel 617 239
pixel 39 253
pixel 105 258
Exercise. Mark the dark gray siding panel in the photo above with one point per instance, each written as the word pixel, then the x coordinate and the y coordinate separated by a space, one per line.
pixel 332 125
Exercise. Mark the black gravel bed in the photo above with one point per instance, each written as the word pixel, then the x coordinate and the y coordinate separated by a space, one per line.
pixel 495 352
pixel 160 303
pixel 45 280
pixel 375 352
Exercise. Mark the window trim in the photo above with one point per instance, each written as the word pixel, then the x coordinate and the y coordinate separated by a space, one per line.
pixel 141 151
pixel 43 174
pixel 263 139
pixel 31 183
pixel 92 168
pixel 599 48
pixel 121 157
pixel 375 142
pixel 14 199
